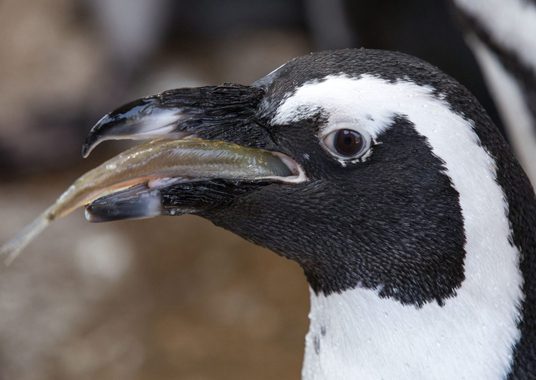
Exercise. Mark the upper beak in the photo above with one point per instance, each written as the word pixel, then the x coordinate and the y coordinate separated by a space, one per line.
pixel 206 172
pixel 202 111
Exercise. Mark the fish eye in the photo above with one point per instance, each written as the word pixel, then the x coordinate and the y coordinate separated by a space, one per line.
pixel 347 143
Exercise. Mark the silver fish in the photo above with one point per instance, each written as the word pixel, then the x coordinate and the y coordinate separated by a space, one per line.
pixel 154 161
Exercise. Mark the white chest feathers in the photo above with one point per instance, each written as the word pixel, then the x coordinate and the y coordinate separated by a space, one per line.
pixel 357 335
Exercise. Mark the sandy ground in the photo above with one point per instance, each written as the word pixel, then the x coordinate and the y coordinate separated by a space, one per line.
pixel 168 298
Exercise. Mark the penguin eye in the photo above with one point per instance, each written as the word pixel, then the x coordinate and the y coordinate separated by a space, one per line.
pixel 347 143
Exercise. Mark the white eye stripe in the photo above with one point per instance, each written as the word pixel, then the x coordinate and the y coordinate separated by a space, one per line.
pixel 334 125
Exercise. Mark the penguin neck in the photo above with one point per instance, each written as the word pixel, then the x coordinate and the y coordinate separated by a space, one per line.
pixel 358 334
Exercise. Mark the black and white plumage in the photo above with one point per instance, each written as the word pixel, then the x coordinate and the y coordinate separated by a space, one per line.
pixel 413 222
pixel 501 34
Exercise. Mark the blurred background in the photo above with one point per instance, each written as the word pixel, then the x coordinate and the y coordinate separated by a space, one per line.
pixel 168 298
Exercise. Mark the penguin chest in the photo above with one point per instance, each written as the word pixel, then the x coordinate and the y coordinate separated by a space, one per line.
pixel 358 335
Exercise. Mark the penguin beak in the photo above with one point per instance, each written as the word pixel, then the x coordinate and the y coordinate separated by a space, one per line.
pixel 210 111
pixel 210 138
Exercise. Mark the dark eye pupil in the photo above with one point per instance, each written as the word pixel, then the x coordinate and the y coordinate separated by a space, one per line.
pixel 348 142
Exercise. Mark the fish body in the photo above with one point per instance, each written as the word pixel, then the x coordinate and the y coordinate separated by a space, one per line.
pixel 149 163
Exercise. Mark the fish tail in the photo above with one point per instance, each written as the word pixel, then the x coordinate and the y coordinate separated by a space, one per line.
pixel 12 248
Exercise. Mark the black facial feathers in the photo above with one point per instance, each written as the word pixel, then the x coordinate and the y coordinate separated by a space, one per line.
pixel 396 228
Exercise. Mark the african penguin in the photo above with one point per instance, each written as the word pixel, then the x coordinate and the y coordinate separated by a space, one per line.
pixel 502 35
pixel 413 222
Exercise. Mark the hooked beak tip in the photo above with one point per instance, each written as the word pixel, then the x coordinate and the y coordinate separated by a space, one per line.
pixel 87 148
pixel 142 119
pixel 94 137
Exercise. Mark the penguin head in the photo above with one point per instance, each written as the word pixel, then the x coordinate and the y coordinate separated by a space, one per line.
pixel 385 146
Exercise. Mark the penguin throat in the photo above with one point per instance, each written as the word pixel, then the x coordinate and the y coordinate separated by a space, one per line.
pixel 357 334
